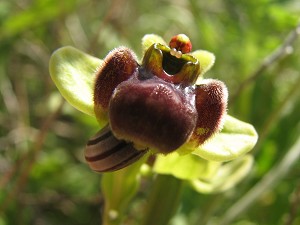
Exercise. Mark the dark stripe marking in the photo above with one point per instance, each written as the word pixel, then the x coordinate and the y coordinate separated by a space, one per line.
pixel 126 162
pixel 105 154
pixel 99 139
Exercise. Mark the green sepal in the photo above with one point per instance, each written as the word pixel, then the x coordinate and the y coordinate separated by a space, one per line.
pixel 235 139
pixel 228 176
pixel 187 167
pixel 203 175
pixel 206 59
pixel 150 39
pixel 73 73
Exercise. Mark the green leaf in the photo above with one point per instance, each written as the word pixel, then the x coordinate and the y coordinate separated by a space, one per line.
pixel 150 39
pixel 206 59
pixel 227 176
pixel 73 73
pixel 187 167
pixel 236 139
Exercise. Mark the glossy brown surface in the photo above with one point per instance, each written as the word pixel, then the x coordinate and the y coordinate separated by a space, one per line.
pixel 152 113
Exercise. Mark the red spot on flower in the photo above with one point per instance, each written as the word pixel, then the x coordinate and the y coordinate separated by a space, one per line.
pixel 181 42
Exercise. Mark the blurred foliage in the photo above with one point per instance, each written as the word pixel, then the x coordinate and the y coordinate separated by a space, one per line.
pixel 44 179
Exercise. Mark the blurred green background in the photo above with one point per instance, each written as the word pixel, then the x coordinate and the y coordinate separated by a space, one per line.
pixel 43 177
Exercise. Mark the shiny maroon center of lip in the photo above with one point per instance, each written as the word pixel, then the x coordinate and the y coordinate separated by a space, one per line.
pixel 152 113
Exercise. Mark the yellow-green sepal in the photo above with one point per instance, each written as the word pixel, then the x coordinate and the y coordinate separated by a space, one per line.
pixel 203 175
pixel 206 59
pixel 186 167
pixel 227 176
pixel 73 73
pixel 235 139
pixel 150 39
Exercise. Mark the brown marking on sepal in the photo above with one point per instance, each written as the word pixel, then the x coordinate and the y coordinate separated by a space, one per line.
pixel 211 104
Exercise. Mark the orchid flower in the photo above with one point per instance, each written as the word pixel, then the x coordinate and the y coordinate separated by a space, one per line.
pixel 160 106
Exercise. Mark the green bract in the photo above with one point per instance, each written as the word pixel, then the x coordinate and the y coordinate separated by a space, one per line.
pixel 74 73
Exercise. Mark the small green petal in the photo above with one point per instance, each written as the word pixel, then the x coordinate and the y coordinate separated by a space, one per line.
pixel 187 167
pixel 236 139
pixel 206 59
pixel 150 39
pixel 227 176
pixel 73 73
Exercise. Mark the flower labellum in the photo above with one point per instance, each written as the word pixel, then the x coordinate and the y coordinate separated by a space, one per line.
pixel 152 113
pixel 154 106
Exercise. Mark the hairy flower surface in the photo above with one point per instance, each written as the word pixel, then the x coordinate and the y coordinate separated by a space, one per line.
pixel 157 105
pixel 160 104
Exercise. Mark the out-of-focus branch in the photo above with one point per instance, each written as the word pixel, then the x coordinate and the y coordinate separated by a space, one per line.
pixel 283 50
pixel 295 205
pixel 270 122
pixel 268 182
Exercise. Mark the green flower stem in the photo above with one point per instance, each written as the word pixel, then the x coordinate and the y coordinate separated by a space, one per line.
pixel 164 200
pixel 118 189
